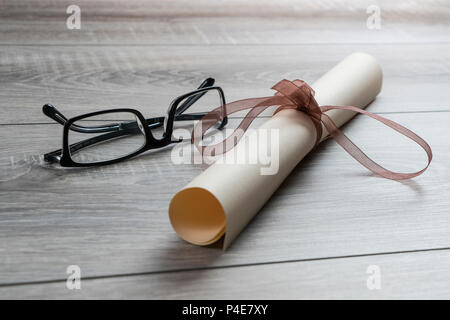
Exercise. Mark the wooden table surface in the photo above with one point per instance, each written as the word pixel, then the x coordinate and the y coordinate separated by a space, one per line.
pixel 322 233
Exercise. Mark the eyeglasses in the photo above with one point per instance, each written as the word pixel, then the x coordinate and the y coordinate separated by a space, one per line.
pixel 109 136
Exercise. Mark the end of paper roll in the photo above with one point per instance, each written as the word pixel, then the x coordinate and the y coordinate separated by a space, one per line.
pixel 197 216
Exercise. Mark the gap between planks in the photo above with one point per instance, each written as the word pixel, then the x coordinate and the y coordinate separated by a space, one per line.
pixel 243 265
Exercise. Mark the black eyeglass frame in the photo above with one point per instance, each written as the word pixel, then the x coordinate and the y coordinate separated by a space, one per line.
pixel 174 113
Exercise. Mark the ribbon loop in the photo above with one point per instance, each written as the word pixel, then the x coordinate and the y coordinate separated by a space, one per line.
pixel 299 95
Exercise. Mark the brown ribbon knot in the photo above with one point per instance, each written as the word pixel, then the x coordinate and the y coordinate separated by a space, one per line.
pixel 299 95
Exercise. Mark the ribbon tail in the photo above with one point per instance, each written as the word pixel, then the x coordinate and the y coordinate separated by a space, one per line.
pixel 360 156
pixel 256 106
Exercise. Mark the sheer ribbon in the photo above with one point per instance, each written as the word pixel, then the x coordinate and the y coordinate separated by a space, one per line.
pixel 299 95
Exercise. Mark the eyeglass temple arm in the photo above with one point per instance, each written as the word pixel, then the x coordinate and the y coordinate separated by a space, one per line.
pixel 179 116
pixel 152 123
pixel 53 113
pixel 209 82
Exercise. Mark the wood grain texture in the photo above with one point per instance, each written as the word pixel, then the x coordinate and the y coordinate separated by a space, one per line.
pixel 223 22
pixel 416 275
pixel 85 79
pixel 113 220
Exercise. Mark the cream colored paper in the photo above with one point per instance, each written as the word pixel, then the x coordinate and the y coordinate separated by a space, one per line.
pixel 225 197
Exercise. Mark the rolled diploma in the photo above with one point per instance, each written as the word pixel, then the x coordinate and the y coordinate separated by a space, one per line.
pixel 225 197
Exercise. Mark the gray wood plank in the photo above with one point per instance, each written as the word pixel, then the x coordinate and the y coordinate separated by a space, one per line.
pixel 417 275
pixel 113 220
pixel 85 79
pixel 223 22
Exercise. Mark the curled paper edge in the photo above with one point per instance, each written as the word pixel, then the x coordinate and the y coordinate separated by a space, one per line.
pixel 197 216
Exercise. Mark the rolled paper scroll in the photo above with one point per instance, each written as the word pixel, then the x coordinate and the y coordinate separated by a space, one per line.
pixel 225 197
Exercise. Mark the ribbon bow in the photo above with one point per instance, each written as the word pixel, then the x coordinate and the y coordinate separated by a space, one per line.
pixel 299 95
